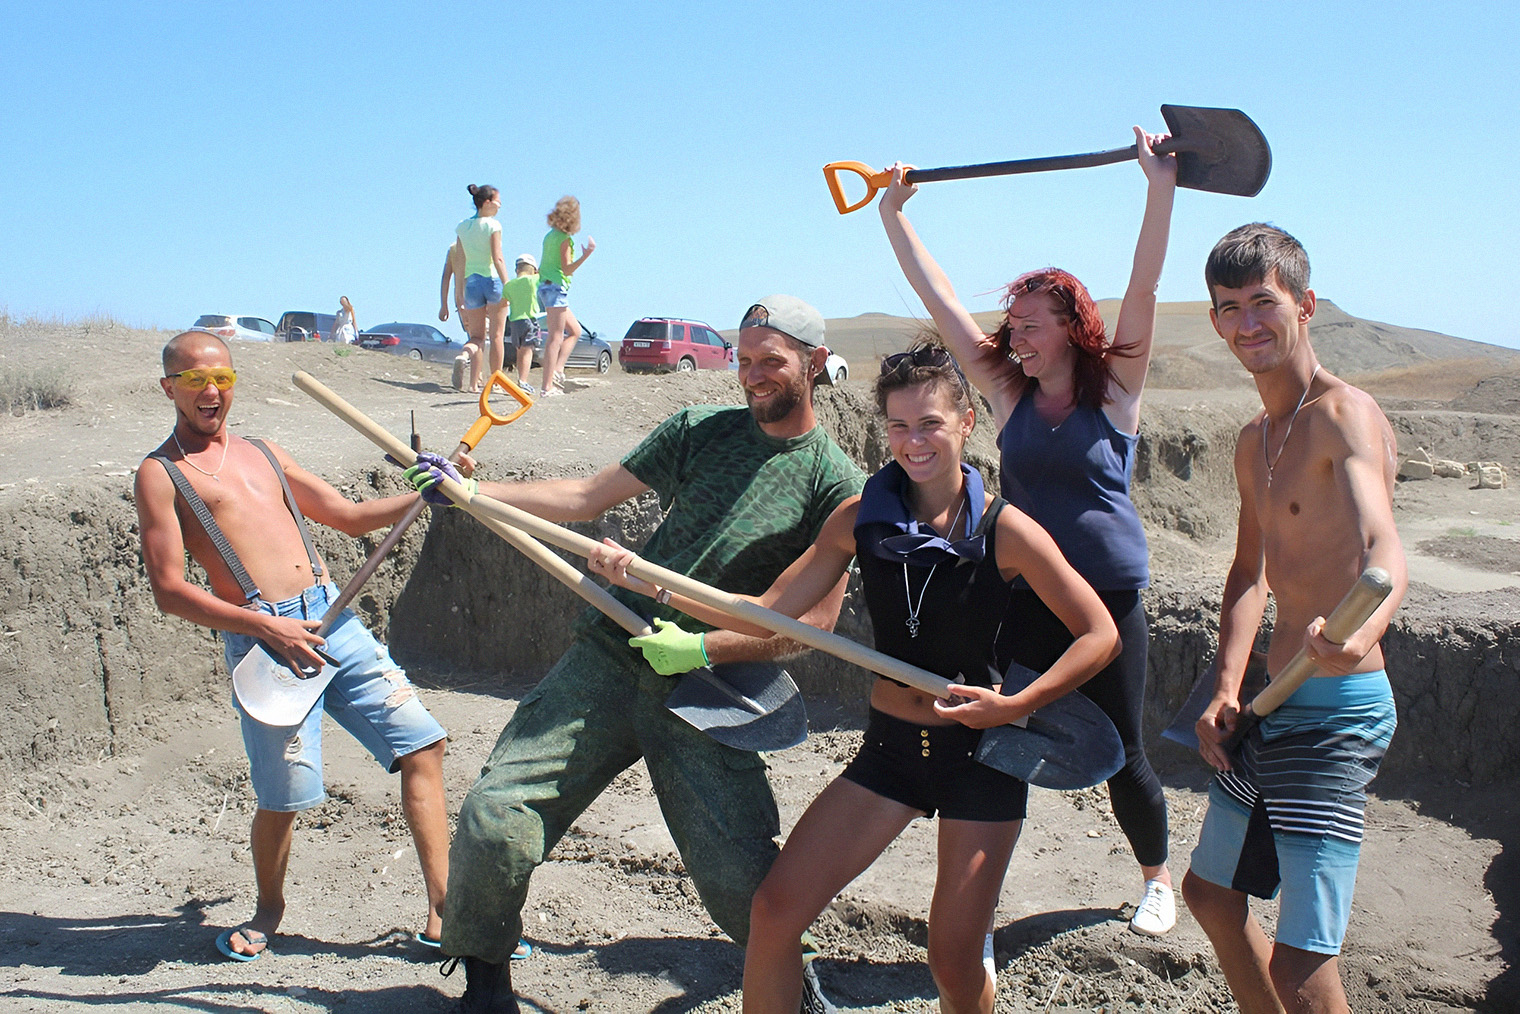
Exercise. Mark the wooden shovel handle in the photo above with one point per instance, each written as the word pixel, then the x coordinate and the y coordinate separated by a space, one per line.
pixel 714 598
pixel 1360 602
pixel 477 430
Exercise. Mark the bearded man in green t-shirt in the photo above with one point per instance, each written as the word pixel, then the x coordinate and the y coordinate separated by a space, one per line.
pixel 746 491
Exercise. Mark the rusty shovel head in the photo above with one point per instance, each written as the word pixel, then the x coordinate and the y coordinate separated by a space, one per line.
pixel 1218 150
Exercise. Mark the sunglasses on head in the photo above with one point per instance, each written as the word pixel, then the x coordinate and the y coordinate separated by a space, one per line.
pixel 194 380
pixel 932 356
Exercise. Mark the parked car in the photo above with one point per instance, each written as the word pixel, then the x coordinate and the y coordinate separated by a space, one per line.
pixel 590 352
pixel 835 369
pixel 305 326
pixel 665 344
pixel 416 341
pixel 226 325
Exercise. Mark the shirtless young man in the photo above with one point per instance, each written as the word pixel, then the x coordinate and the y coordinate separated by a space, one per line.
pixel 281 603
pixel 1316 471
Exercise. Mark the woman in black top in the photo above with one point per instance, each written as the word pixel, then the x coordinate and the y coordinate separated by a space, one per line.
pixel 936 555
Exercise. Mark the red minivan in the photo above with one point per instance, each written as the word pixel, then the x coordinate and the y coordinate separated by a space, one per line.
pixel 665 344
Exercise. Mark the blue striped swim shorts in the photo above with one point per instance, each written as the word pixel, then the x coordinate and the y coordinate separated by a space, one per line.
pixel 1289 814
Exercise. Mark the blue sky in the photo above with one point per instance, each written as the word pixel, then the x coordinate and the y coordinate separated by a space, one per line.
pixel 159 161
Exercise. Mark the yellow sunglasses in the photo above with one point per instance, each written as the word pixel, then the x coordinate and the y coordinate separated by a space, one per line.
pixel 194 380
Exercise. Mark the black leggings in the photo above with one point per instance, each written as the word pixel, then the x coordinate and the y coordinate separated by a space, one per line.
pixel 1034 636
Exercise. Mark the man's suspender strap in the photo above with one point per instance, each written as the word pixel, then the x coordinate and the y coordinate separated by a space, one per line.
pixel 295 512
pixel 215 533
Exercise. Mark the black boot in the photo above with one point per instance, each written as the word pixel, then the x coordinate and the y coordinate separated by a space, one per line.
pixel 487 987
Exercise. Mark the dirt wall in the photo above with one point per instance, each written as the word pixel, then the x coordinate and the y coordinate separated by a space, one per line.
pixel 89 667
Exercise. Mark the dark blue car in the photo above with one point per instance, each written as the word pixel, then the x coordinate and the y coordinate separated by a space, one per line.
pixel 416 341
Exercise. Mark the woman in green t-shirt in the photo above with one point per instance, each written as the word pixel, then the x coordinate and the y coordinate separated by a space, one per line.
pixel 557 265
pixel 477 285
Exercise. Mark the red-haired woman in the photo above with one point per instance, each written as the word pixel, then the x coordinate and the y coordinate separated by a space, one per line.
pixel 1066 401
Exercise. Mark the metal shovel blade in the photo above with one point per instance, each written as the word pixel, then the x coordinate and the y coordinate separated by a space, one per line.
pixel 1067 744
pixel 745 705
pixel 1184 727
pixel 272 692
pixel 1218 150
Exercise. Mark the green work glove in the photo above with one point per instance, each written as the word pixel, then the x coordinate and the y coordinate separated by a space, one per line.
pixel 671 650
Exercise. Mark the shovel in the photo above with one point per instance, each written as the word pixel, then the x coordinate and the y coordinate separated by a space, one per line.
pixel 745 705
pixel 482 506
pixel 276 692
pixel 1360 602
pixel 1218 150
pixel 1184 727
pixel 1066 744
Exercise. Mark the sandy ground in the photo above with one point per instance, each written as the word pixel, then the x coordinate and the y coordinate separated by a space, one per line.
pixel 117 872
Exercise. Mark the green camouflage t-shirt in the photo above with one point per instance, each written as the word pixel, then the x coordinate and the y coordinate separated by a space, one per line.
pixel 740 505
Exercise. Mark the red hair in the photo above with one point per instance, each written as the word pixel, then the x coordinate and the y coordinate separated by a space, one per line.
pixel 1084 326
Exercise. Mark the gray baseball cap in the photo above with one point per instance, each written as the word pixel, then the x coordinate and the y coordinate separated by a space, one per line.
pixel 789 315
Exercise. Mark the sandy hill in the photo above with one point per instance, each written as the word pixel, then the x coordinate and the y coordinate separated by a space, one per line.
pixel 1387 359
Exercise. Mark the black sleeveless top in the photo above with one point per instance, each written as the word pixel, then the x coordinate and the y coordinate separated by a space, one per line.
pixel 960 612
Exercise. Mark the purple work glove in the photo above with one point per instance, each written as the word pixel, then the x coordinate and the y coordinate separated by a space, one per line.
pixel 429 471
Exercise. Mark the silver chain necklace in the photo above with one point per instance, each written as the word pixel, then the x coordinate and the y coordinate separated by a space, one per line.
pixel 1267 421
pixel 913 607
pixel 175 437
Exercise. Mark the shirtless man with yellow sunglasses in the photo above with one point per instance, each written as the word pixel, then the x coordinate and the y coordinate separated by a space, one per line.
pixel 202 486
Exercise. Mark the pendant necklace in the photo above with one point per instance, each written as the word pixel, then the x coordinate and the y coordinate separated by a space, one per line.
pixel 1267 420
pixel 912 621
pixel 186 457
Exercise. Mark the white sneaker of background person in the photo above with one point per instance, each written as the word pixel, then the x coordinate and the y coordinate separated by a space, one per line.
pixel 1157 911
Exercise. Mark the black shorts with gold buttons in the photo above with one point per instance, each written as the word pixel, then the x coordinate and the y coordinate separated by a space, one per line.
pixel 934 767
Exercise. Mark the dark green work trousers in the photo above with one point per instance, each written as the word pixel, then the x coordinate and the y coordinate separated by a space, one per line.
pixel 593 715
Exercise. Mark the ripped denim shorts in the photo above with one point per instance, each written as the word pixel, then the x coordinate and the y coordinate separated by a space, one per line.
pixel 370 697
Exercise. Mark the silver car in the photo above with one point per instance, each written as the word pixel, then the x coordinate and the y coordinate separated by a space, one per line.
pixel 591 352
pixel 226 325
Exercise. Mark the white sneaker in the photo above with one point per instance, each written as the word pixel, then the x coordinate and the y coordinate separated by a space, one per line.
pixel 1157 911
pixel 989 960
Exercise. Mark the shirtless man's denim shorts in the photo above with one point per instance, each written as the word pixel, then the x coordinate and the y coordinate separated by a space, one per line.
pixel 370 697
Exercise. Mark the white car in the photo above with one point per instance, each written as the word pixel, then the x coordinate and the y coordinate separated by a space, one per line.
pixel 252 329
pixel 835 369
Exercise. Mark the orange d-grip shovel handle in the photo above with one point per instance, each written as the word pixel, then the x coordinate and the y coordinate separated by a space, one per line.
pixel 875 179
pixel 489 418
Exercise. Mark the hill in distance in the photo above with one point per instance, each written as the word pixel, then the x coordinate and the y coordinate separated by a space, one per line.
pixel 1386 359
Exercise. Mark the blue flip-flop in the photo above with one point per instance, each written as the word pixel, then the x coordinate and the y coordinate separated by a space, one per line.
pixel 251 935
pixel 523 952
pixel 427 941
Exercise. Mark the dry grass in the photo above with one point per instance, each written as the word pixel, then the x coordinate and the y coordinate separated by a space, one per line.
pixel 25 390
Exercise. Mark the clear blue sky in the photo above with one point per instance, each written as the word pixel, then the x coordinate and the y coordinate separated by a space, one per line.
pixel 159 161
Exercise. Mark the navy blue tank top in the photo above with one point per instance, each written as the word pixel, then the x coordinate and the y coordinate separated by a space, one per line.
pixel 1074 481
pixel 959 613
